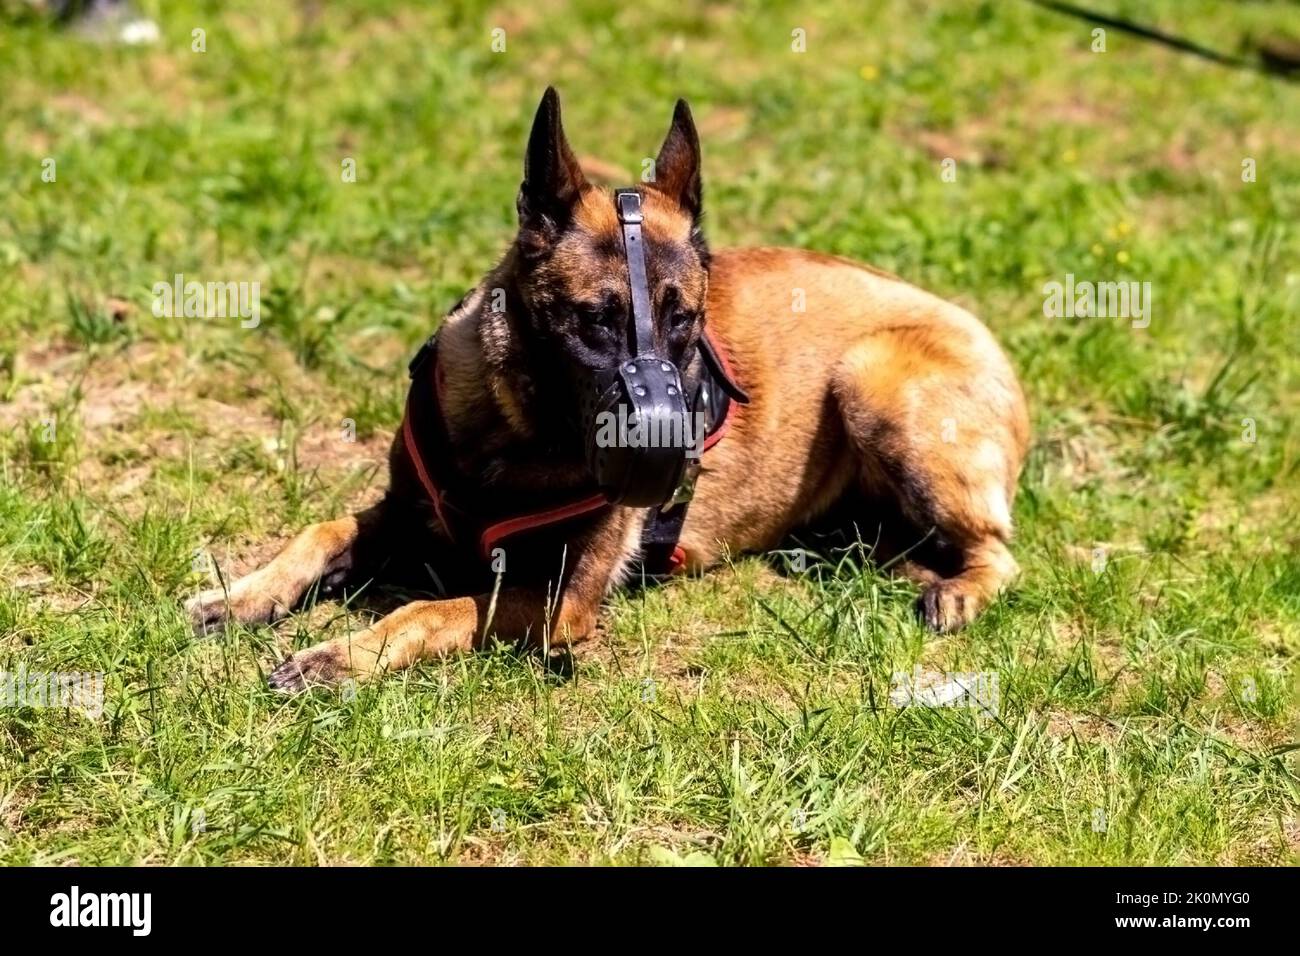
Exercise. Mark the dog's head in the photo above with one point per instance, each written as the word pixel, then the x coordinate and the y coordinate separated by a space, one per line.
pixel 571 268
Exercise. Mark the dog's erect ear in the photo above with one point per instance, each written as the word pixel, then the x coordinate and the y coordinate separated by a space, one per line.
pixel 677 170
pixel 553 180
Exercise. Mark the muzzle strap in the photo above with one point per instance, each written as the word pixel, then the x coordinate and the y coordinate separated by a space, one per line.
pixel 628 203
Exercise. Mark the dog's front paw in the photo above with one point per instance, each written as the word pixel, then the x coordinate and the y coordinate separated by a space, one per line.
pixel 314 667
pixel 949 605
pixel 245 602
pixel 208 610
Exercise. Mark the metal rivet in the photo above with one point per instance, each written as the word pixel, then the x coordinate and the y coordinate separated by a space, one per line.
pixel 640 391
pixel 671 390
pixel 630 367
pixel 665 366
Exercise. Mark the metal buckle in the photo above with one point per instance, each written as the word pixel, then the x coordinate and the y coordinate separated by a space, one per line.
pixel 629 206
pixel 685 489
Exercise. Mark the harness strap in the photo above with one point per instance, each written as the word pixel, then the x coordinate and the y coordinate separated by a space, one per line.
pixel 412 449
pixel 661 554
pixel 504 529
pixel 427 417
pixel 628 203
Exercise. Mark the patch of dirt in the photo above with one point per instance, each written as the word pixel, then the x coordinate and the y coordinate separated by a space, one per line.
pixel 323 268
pixel 961 855
pixel 724 122
pixel 80 107
pixel 980 140
pixel 121 441
pixel 1226 515
pixel 512 19
pixel 1079 453
pixel 12 805
pixel 1075 111
pixel 1245 733
pixel 967 147
pixel 1276 842
pixel 1087 728
pixel 600 171
pixel 30 401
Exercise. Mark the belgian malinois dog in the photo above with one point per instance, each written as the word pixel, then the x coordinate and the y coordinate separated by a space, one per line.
pixel 522 478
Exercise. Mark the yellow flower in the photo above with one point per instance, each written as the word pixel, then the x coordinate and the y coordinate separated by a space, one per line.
pixel 1124 228
pixel 1121 257
pixel 1097 249
pixel 869 72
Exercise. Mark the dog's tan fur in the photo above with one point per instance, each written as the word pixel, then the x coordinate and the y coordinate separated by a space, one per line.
pixel 877 390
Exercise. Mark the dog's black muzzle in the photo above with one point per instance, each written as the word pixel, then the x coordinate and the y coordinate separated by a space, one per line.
pixel 643 443
pixel 641 440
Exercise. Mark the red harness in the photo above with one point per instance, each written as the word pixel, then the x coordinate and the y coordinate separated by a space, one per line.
pixel 424 401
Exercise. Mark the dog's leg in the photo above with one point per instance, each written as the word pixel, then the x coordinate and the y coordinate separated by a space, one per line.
pixel 424 630
pixel 325 552
pixel 939 423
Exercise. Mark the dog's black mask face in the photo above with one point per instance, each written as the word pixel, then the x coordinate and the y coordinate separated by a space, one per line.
pixel 574 283
pixel 573 276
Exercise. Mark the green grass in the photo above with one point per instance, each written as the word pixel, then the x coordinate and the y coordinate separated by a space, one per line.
pixel 1160 690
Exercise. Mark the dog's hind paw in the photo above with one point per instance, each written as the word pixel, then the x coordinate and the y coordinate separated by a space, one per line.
pixel 949 605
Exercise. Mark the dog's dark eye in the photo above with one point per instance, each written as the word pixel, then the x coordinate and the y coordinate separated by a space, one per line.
pixel 680 319
pixel 602 316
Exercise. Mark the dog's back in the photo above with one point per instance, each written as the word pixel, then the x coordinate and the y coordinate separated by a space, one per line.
pixel 859 382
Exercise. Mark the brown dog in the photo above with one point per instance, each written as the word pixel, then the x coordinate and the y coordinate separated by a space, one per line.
pixel 866 397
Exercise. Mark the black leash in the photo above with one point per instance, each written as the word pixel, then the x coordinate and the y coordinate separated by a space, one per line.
pixel 1269 66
